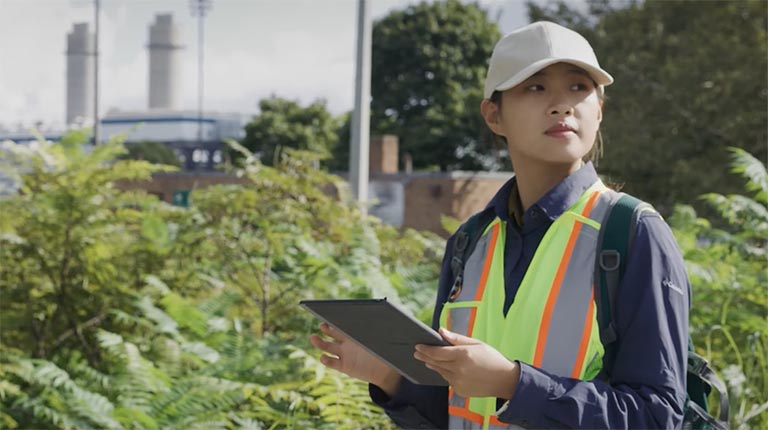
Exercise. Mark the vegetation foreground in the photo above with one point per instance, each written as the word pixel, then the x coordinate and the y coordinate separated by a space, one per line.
pixel 119 311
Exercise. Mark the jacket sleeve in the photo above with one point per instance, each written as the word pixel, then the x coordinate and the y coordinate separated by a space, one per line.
pixel 420 406
pixel 647 387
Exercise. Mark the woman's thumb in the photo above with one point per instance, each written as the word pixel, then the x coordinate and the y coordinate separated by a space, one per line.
pixel 455 338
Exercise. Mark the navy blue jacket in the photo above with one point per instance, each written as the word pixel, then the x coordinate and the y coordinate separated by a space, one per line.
pixel 647 387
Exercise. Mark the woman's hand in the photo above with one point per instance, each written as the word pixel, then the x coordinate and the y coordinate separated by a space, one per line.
pixel 473 368
pixel 348 357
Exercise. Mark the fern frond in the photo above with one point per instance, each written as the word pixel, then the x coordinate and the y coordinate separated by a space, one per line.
pixel 164 322
pixel 220 303
pixel 136 380
pixel 61 401
pixel 185 314
pixel 198 398
pixel 753 170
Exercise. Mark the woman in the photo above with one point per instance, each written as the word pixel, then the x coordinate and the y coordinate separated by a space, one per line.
pixel 525 348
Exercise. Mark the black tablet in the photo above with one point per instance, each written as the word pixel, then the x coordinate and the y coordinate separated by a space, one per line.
pixel 385 330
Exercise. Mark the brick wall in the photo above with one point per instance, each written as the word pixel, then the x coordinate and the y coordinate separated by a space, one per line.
pixel 163 185
pixel 383 154
pixel 456 194
pixel 426 196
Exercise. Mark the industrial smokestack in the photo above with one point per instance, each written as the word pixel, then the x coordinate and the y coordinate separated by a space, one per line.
pixel 164 64
pixel 80 74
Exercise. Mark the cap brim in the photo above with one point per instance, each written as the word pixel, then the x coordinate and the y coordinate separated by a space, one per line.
pixel 600 76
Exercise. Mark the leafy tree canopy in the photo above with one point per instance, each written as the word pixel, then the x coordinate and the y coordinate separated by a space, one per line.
pixel 283 123
pixel 428 66
pixel 691 80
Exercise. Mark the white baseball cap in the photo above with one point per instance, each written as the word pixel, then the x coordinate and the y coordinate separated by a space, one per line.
pixel 525 51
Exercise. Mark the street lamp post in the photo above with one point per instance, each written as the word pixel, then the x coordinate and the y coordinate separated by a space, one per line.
pixel 199 9
pixel 96 118
pixel 358 157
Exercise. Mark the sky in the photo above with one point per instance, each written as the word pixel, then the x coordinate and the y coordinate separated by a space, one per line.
pixel 297 49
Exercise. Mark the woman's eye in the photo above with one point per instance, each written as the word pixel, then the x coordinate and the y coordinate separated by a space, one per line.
pixel 579 87
pixel 535 87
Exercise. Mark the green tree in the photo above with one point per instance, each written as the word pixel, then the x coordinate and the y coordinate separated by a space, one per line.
pixel 285 123
pixel 428 67
pixel 691 79
pixel 727 267
pixel 153 152
pixel 339 159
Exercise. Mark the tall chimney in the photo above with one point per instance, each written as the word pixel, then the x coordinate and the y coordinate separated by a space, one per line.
pixel 164 64
pixel 383 154
pixel 80 74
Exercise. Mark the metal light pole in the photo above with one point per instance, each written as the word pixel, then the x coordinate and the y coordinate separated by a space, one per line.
pixel 358 157
pixel 199 9
pixel 96 118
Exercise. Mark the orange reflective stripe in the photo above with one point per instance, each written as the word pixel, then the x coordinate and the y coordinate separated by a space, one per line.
pixel 495 421
pixel 590 203
pixel 488 261
pixel 484 277
pixel 472 314
pixel 466 399
pixel 590 312
pixel 466 414
pixel 585 337
pixel 555 290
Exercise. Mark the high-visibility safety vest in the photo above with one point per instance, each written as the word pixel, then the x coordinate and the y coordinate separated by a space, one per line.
pixel 552 321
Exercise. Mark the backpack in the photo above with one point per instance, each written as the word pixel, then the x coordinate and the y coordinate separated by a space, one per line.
pixel 615 237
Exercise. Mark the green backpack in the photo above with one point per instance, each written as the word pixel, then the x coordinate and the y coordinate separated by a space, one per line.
pixel 615 238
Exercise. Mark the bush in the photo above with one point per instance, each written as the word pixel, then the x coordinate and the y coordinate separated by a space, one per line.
pixel 126 312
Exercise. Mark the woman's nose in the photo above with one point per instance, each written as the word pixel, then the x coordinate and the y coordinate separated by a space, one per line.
pixel 561 110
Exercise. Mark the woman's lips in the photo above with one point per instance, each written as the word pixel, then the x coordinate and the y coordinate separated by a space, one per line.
pixel 560 131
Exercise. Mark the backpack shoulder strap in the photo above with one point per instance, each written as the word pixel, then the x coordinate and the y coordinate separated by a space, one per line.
pixel 615 239
pixel 617 232
pixel 465 242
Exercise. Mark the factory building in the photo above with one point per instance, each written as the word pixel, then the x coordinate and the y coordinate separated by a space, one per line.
pixel 179 131
pixel 197 140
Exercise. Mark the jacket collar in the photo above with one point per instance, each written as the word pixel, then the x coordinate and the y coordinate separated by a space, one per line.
pixel 553 203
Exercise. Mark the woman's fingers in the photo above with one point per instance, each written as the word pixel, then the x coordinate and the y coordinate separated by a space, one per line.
pixel 331 362
pixel 326 346
pixel 436 354
pixel 332 347
pixel 332 332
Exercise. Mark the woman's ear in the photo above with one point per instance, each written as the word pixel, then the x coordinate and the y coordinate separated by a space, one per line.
pixel 491 114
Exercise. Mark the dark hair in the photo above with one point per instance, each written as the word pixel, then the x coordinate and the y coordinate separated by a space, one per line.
pixel 593 155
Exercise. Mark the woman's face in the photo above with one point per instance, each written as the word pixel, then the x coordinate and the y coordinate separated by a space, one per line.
pixel 552 117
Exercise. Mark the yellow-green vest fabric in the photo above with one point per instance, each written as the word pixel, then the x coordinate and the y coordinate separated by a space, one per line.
pixel 552 321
